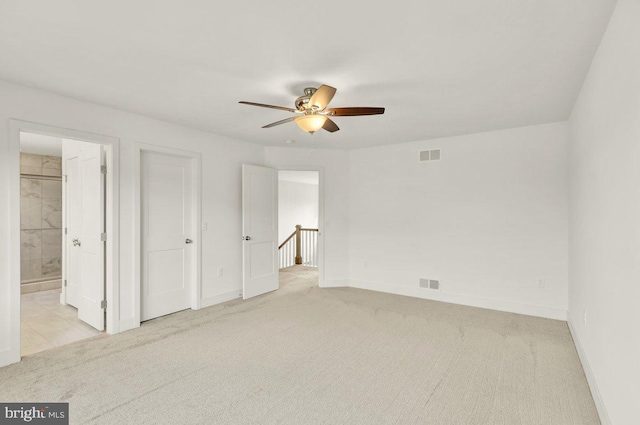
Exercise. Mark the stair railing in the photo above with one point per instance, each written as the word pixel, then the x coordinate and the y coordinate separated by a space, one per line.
pixel 301 247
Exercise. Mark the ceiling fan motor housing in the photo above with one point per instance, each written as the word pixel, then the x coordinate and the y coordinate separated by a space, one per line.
pixel 302 102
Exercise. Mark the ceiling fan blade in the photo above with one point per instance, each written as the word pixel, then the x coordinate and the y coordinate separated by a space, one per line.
pixel 330 126
pixel 284 121
pixel 322 97
pixel 353 112
pixel 282 108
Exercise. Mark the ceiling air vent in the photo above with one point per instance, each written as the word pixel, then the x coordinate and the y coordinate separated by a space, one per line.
pixel 431 155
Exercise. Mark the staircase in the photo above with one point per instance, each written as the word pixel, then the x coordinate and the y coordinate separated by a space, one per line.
pixel 301 247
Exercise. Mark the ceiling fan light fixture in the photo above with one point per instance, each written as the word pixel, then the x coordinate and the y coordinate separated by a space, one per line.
pixel 312 112
pixel 311 123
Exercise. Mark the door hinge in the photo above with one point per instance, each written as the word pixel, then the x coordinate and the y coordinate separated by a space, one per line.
pixel 65 283
pixel 103 169
pixel 103 304
pixel 66 178
pixel 103 237
pixel 65 230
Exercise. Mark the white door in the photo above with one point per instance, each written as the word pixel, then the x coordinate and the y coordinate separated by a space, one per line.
pixel 84 206
pixel 167 233
pixel 92 278
pixel 73 221
pixel 260 230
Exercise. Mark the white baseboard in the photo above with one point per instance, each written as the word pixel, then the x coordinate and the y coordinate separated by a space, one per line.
pixel 591 378
pixel 488 303
pixel 132 323
pixel 220 298
pixel 335 283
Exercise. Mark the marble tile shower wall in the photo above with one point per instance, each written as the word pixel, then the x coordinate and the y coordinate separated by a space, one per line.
pixel 40 217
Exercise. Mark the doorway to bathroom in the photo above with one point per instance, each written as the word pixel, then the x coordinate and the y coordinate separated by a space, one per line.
pixel 62 241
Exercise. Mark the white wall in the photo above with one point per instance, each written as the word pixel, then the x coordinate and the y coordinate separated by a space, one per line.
pixel 297 204
pixel 221 177
pixel 335 178
pixel 489 220
pixel 605 220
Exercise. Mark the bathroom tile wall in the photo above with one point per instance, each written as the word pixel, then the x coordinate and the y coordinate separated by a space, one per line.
pixel 40 165
pixel 40 217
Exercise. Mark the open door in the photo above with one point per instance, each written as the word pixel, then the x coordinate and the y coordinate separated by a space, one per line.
pixel 72 222
pixel 92 238
pixel 84 246
pixel 260 230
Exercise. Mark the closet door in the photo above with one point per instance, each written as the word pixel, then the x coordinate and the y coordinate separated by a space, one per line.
pixel 167 234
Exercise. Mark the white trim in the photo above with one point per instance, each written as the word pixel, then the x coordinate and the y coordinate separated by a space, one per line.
pixel 472 301
pixel 588 372
pixel 221 298
pixel 335 283
pixel 63 292
pixel 128 324
pixel 321 226
pixel 196 288
pixel 12 355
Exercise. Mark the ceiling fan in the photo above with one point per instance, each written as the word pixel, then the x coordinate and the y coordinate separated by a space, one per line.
pixel 312 112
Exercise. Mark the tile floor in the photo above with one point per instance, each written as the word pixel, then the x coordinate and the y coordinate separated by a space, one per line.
pixel 45 323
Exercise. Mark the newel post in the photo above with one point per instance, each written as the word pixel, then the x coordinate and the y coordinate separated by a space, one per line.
pixel 298 244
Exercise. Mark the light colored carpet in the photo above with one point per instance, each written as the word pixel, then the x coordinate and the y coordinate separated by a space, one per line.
pixel 304 355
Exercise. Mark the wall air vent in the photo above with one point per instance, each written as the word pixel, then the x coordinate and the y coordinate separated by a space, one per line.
pixel 430 284
pixel 431 155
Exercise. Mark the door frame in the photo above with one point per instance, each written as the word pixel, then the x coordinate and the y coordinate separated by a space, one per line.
pixel 112 146
pixel 196 179
pixel 321 224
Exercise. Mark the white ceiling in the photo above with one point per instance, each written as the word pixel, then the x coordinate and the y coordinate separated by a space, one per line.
pixel 307 177
pixel 440 68
pixel 40 145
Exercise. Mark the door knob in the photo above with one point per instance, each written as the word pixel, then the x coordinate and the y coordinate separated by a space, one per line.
pixel 75 242
pixel 188 241
pixel 246 238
